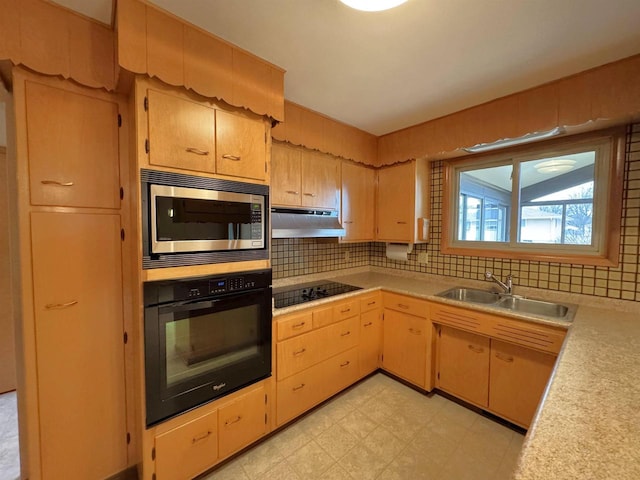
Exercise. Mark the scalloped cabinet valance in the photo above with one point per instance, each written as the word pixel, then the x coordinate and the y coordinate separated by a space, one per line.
pixel 54 41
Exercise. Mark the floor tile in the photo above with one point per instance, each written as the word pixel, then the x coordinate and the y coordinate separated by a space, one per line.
pixel 336 441
pixel 362 464
pixel 310 461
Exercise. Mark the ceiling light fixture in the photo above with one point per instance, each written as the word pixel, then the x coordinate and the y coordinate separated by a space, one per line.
pixel 510 142
pixel 555 166
pixel 372 5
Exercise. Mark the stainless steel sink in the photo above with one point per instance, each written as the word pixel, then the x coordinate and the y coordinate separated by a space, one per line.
pixel 470 295
pixel 513 303
pixel 534 307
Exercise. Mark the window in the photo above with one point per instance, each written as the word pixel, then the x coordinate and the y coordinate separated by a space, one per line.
pixel 558 201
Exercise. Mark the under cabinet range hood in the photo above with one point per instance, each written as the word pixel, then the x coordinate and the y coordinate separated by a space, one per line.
pixel 301 223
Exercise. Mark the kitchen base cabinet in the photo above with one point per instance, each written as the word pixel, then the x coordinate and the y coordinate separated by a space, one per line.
pixel 187 450
pixel 407 334
pixel 463 368
pixel 405 346
pixel 518 379
pixel 242 421
pixel 370 339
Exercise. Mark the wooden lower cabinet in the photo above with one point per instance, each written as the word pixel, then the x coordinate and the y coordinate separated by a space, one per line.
pixel 405 346
pixel 242 421
pixel 463 365
pixel 370 341
pixel 504 378
pixel 78 316
pixel 518 379
pixel 187 450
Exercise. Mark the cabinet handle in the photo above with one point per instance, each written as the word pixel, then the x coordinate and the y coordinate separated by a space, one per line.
pixel 368 324
pixel 299 352
pixel 401 223
pixel 231 422
pixel 56 183
pixel 293 192
pixel 302 385
pixel 235 158
pixel 348 332
pixel 197 151
pixel 345 363
pixel 60 306
pixel 199 438
pixel 402 305
pixel 476 349
pixel 347 221
pixel 504 358
pixel 346 310
pixel 371 303
pixel 298 325
pixel 309 194
pixel 415 332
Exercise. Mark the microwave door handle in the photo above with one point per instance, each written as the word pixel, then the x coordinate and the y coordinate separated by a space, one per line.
pixel 186 306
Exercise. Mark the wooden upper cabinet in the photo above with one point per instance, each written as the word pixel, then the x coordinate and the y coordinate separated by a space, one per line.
pixel 165 47
pixel 181 132
pixel 286 175
pixel 73 147
pixel 358 197
pixel 403 202
pixel 241 146
pixel 319 180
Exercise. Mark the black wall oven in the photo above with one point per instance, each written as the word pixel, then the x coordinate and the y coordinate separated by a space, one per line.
pixel 204 338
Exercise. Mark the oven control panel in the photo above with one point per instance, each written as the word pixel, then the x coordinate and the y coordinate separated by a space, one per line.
pixel 192 288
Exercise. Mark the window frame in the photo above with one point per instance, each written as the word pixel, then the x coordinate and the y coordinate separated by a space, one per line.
pixel 607 222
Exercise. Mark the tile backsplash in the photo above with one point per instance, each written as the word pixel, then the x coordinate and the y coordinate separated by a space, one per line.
pixel 291 257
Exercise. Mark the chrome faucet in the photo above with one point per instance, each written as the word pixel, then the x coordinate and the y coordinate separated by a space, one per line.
pixel 507 286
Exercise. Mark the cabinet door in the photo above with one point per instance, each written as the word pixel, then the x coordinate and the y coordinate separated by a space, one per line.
pixel 187 450
pixel 72 148
pixel 463 365
pixel 80 351
pixel 518 378
pixel 370 341
pixel 242 421
pixel 358 196
pixel 396 209
pixel 241 148
pixel 405 346
pixel 319 180
pixel 286 175
pixel 181 133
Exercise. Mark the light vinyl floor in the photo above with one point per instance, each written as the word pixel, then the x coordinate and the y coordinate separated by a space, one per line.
pixel 382 429
pixel 9 446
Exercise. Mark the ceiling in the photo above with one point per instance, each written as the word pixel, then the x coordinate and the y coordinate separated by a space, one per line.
pixel 387 70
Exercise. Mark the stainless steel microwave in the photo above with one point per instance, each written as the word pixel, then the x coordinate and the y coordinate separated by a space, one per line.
pixel 190 220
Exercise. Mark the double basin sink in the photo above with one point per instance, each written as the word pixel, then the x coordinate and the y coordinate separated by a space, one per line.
pixel 512 303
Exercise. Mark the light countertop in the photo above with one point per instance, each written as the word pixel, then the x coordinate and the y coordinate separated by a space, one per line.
pixel 588 424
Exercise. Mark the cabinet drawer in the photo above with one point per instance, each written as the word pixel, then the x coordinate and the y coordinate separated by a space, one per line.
pixel 242 421
pixel 340 371
pixel 540 337
pixel 370 302
pixel 460 318
pixel 187 450
pixel 298 393
pixel 346 309
pixel 339 337
pixel 293 325
pixel 404 304
pixel 298 353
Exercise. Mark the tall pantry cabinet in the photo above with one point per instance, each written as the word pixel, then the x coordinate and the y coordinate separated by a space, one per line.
pixel 69 147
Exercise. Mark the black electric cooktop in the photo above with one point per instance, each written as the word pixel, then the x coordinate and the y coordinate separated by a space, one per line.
pixel 295 294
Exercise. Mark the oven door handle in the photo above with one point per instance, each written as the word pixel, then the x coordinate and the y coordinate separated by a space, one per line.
pixel 187 306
